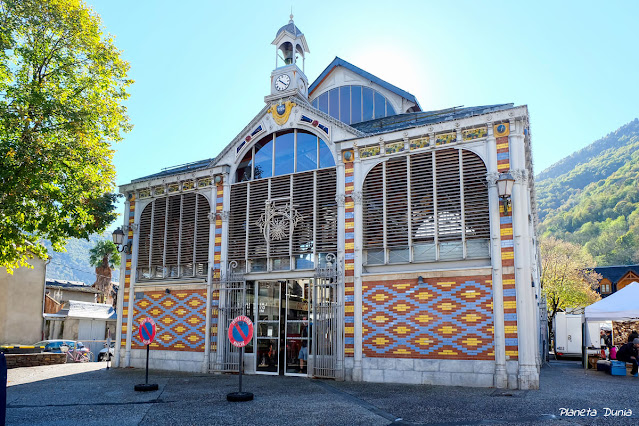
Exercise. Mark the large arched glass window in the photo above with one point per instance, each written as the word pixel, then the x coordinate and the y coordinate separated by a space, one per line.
pixel 353 104
pixel 433 206
pixel 174 238
pixel 282 153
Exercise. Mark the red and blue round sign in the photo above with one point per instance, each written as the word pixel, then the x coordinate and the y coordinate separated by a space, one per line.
pixel 240 331
pixel 147 330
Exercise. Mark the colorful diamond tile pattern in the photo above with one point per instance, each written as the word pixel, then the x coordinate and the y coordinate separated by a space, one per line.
pixel 217 247
pixel 447 318
pixel 349 263
pixel 180 318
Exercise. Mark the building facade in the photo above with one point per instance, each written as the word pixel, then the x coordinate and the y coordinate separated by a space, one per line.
pixel 363 236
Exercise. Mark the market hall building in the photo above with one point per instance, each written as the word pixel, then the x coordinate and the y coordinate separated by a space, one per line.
pixel 365 238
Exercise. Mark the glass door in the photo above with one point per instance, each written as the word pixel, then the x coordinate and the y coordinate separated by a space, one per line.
pixel 268 306
pixel 298 327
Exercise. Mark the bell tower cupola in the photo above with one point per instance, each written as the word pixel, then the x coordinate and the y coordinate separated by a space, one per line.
pixel 288 77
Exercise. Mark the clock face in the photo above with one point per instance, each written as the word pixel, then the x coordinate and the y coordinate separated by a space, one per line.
pixel 282 82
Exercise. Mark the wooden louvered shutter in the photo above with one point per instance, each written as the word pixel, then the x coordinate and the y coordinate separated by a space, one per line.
pixel 187 234
pixel 397 210
pixel 477 219
pixel 173 236
pixel 449 211
pixel 157 238
pixel 373 215
pixel 237 222
pixel 202 236
pixel 303 190
pixel 326 211
pixel 422 207
pixel 144 243
pixel 258 194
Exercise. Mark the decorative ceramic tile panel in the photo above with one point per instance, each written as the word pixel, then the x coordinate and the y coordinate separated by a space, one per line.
pixel 444 318
pixel 370 151
pixel 188 185
pixel 503 156
pixel 145 193
pixel 470 134
pixel 174 187
pixel 180 318
pixel 393 148
pixel 419 143
pixel 217 247
pixel 445 138
pixel 158 190
pixel 205 182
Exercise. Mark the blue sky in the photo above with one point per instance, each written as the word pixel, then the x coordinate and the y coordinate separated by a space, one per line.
pixel 202 68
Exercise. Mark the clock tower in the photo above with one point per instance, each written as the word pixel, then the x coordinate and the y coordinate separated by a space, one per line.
pixel 287 78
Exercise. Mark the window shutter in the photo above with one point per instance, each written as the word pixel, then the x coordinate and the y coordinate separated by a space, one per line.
pixel 202 235
pixel 187 233
pixel 396 204
pixel 237 222
pixel 258 194
pixel 157 238
pixel 326 211
pixel 303 190
pixel 144 242
pixel 373 208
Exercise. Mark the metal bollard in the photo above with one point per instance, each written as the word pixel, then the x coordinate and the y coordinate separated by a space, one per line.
pixel 3 389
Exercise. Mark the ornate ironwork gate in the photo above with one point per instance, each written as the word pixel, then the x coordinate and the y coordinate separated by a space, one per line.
pixel 327 345
pixel 231 288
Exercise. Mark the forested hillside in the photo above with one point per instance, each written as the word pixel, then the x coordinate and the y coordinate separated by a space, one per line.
pixel 74 264
pixel 592 197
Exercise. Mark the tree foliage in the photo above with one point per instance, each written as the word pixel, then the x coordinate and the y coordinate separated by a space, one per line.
pixel 567 278
pixel 104 257
pixel 62 84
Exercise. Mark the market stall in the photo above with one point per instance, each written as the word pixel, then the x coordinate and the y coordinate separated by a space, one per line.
pixel 620 307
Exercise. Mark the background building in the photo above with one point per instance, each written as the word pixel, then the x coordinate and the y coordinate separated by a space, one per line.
pixel 350 225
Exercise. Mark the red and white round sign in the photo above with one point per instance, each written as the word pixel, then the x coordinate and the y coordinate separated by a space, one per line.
pixel 147 330
pixel 240 331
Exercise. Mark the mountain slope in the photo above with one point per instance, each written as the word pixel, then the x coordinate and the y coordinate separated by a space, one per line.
pixel 73 265
pixel 592 197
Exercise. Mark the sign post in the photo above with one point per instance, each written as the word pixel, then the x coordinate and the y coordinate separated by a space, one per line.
pixel 147 332
pixel 240 334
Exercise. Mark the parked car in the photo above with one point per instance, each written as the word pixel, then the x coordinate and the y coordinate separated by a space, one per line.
pixel 54 345
pixel 102 355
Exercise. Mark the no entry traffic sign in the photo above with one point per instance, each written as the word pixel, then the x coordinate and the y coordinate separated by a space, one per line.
pixel 241 331
pixel 147 330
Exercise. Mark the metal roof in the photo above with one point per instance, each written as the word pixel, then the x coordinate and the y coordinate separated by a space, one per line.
pixel 70 286
pixel 291 28
pixel 339 62
pixel 174 170
pixel 91 310
pixel 403 121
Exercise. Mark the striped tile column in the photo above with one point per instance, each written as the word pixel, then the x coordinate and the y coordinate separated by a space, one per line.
pixel 127 271
pixel 217 265
pixel 507 257
pixel 349 263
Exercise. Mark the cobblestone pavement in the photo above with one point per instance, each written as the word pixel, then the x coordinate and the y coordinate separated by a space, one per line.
pixel 90 394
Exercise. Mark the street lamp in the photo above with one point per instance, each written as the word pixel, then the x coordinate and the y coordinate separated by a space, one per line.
pixel 118 239
pixel 505 189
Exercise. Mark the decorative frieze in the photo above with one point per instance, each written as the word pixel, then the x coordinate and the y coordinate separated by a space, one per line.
pixel 445 138
pixel 471 134
pixel 367 152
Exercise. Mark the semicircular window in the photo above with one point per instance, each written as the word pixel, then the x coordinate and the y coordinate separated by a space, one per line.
pixel 281 153
pixel 354 104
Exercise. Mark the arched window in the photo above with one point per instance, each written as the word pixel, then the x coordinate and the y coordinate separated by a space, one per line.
pixel 353 104
pixel 174 238
pixel 282 153
pixel 433 206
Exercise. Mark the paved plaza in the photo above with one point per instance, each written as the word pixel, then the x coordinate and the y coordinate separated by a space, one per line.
pixel 90 394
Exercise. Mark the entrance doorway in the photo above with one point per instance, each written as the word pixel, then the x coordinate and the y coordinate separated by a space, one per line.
pixel 283 318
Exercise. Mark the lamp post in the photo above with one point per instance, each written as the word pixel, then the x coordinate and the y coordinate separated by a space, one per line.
pixel 118 240
pixel 505 189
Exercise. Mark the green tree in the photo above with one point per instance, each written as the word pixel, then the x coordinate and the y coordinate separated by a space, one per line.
pixel 62 84
pixel 567 278
pixel 104 257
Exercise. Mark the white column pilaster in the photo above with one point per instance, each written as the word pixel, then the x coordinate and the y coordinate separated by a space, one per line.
pixel 528 376
pixel 341 230
pixel 121 291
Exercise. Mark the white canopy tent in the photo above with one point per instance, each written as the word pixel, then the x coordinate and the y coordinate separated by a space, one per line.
pixel 622 305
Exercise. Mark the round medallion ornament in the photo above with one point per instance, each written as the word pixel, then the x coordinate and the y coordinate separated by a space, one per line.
pixel 501 128
pixel 281 109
